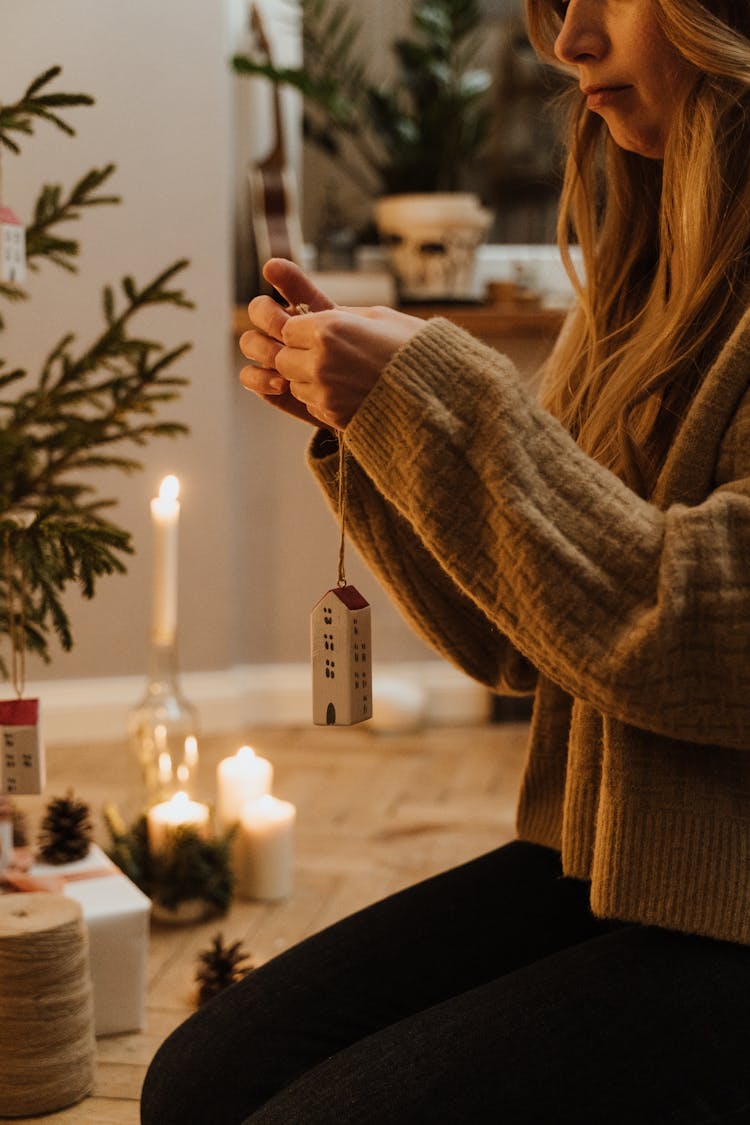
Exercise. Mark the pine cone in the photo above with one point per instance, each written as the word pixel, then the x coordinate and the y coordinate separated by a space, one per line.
pixel 66 830
pixel 220 966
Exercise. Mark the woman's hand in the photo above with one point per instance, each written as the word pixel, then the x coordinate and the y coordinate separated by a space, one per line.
pixel 321 365
pixel 262 343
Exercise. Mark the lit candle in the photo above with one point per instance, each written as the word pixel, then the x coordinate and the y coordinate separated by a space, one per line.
pixel 165 768
pixel 179 811
pixel 191 752
pixel 165 517
pixel 240 779
pixel 265 848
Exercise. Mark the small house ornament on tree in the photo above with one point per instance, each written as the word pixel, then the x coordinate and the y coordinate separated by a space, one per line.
pixel 22 758
pixel 340 635
pixel 22 765
pixel 12 248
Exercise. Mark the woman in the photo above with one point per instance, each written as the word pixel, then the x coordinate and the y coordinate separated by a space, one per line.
pixel 596 551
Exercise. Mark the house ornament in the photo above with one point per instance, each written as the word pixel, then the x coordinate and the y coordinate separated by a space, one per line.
pixel 12 248
pixel 341 658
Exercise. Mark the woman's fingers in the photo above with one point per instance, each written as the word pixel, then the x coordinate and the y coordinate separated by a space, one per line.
pixel 259 348
pixel 262 380
pixel 332 359
pixel 322 363
pixel 267 316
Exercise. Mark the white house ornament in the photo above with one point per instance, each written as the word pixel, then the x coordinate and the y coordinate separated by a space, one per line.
pixel 341 658
pixel 12 248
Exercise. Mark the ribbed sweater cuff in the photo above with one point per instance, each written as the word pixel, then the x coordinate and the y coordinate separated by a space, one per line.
pixel 683 887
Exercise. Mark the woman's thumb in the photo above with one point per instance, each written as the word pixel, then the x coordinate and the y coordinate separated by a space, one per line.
pixel 294 285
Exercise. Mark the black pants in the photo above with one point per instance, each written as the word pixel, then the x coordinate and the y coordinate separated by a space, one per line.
pixel 486 994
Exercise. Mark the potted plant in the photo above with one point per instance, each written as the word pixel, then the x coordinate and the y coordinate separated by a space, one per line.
pixel 407 143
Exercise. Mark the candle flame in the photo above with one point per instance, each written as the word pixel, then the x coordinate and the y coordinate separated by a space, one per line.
pixel 245 753
pixel 181 798
pixel 169 488
pixel 191 751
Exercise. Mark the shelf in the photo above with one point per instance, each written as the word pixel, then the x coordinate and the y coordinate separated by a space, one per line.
pixel 488 322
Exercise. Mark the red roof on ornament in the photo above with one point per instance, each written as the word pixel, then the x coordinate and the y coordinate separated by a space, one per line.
pixel 10 217
pixel 349 595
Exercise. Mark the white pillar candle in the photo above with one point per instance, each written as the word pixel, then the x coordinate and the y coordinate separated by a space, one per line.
pixel 165 518
pixel 240 779
pixel 179 811
pixel 265 849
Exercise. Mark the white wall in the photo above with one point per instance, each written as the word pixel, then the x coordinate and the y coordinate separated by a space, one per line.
pixel 162 88
pixel 257 545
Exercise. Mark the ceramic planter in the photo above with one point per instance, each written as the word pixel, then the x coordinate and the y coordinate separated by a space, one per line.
pixel 431 241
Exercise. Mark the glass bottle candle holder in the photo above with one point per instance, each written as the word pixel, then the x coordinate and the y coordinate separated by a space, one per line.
pixel 163 730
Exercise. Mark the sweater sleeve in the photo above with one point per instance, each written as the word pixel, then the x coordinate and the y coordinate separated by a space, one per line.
pixel 424 592
pixel 643 613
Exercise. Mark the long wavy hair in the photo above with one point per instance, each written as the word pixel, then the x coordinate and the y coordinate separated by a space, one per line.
pixel 665 245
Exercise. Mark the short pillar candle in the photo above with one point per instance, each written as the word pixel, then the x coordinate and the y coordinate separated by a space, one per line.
pixel 163 820
pixel 265 849
pixel 239 779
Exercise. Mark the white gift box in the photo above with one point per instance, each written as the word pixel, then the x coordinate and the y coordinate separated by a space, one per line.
pixel 116 914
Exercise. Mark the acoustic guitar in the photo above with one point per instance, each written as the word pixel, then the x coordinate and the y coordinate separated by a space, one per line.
pixel 273 188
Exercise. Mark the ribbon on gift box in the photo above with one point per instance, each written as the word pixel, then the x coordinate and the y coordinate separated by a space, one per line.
pixel 19 876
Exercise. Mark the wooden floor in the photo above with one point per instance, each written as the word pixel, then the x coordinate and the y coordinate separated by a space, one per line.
pixel 375 813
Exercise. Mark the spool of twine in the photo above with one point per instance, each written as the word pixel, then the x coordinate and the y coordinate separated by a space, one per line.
pixel 47 1046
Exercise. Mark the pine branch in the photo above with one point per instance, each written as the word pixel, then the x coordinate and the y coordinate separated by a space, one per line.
pixel 53 432
pixel 11 293
pixel 52 208
pixel 191 867
pixel 20 116
pixel 73 419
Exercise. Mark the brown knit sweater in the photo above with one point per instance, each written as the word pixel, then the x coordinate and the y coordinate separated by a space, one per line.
pixel 535 569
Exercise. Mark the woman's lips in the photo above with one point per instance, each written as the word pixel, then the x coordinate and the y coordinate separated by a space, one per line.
pixel 598 96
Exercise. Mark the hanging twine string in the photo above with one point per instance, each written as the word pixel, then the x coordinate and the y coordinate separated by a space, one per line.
pixel 16 618
pixel 342 508
pixel 293 310
pixel 47 1046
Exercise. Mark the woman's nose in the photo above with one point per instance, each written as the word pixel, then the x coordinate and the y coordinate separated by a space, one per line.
pixel 582 36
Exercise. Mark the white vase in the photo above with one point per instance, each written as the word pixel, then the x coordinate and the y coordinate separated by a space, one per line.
pixel 431 240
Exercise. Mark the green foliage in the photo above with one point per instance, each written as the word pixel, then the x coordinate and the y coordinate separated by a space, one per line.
pixel 417 133
pixel 74 417
pixel 19 117
pixel 52 208
pixel 189 868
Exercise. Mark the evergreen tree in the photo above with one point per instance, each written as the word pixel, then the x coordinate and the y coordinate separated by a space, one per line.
pixel 87 401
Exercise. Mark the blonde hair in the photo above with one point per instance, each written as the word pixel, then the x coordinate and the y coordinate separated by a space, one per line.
pixel 665 249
